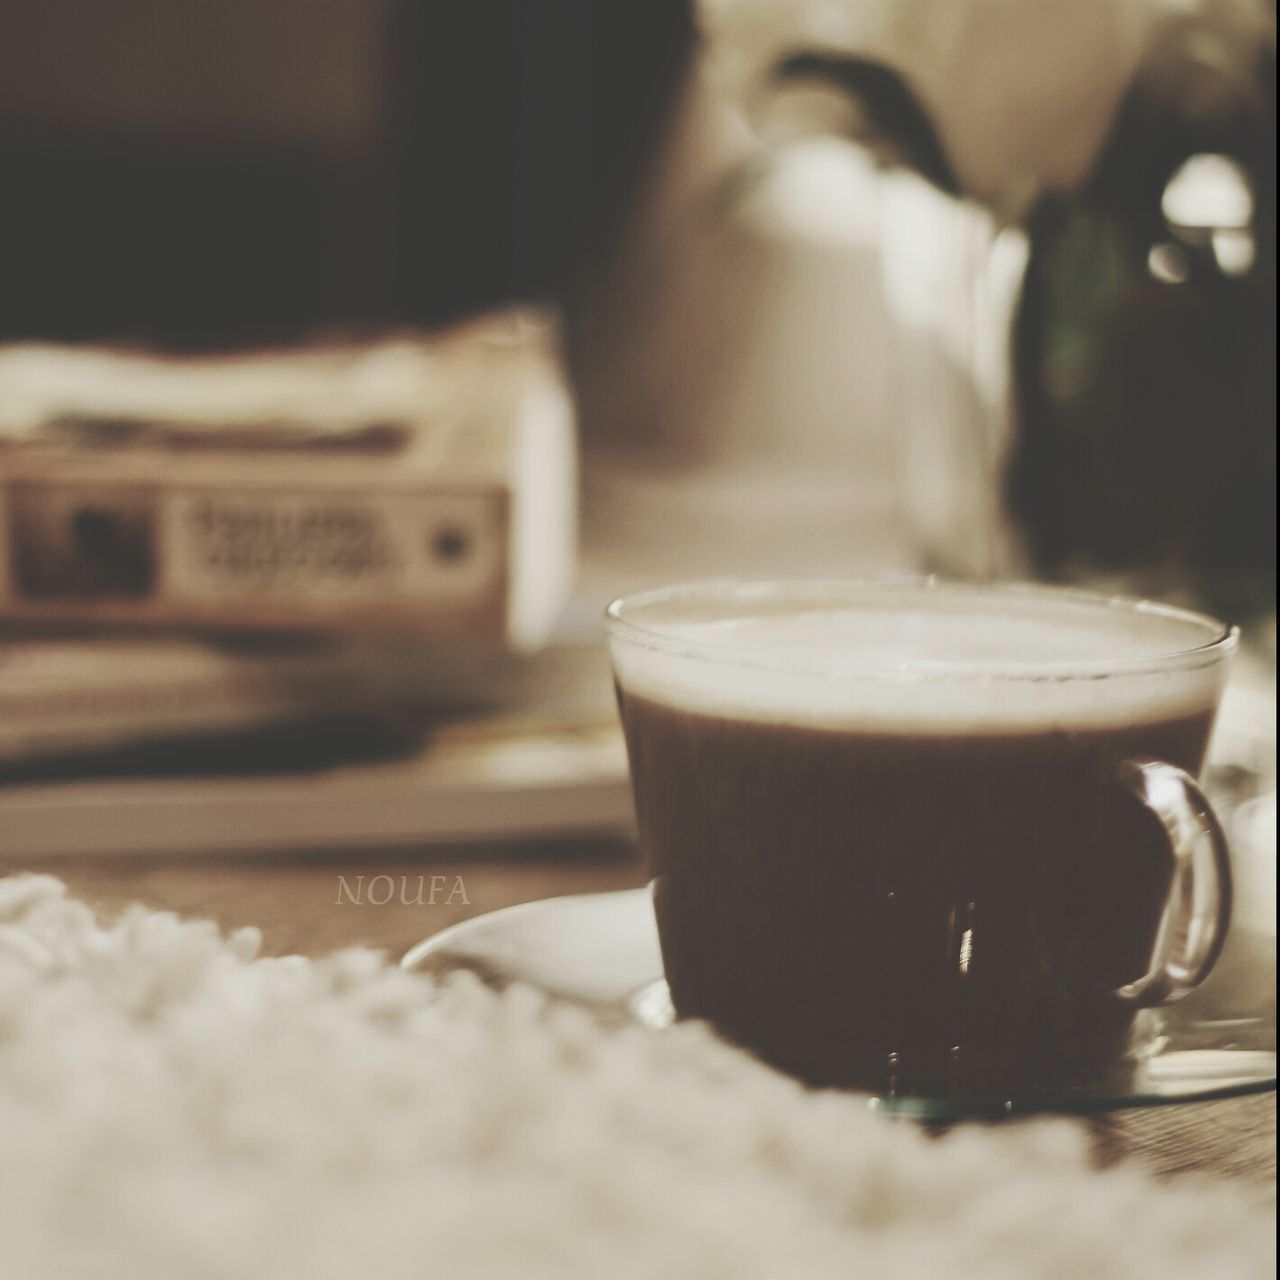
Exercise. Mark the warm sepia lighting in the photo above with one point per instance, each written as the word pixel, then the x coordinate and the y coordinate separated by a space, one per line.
pixel 557 560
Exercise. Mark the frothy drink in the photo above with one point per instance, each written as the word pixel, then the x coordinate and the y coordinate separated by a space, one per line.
pixel 888 839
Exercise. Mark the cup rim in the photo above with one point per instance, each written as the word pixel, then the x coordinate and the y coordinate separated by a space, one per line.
pixel 1222 641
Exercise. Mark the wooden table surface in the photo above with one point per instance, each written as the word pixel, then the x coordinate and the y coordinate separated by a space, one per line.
pixel 298 903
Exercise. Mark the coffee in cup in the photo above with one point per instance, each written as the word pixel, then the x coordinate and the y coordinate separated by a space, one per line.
pixel 923 838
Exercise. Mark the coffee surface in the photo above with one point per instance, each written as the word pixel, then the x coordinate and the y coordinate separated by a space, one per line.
pixel 937 668
pixel 906 910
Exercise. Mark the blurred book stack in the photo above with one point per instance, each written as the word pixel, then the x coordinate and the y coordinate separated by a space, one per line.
pixel 222 576
pixel 67 698
pixel 422 484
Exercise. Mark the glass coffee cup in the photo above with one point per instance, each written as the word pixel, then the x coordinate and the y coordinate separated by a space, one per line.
pixel 925 838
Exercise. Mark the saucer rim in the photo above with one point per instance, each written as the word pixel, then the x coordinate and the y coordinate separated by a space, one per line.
pixel 927 1109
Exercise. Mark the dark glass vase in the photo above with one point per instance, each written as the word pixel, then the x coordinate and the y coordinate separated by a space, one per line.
pixel 1144 358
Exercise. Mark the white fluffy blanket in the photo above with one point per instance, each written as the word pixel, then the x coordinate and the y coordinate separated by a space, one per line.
pixel 173 1107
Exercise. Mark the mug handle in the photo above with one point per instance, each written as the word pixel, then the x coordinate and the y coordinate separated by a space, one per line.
pixel 1194 925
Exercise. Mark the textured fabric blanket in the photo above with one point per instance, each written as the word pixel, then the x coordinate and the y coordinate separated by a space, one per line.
pixel 173 1106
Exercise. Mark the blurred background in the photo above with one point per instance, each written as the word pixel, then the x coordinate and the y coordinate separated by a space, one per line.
pixel 353 353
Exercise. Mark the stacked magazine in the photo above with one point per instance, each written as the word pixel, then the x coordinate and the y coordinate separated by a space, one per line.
pixel 297 598
pixel 423 483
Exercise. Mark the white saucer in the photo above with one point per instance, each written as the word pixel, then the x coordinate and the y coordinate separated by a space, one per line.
pixel 601 951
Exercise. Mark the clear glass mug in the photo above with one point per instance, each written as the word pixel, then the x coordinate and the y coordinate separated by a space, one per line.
pixel 925 838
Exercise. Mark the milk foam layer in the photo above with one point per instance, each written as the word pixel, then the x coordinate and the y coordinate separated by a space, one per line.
pixel 951 665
